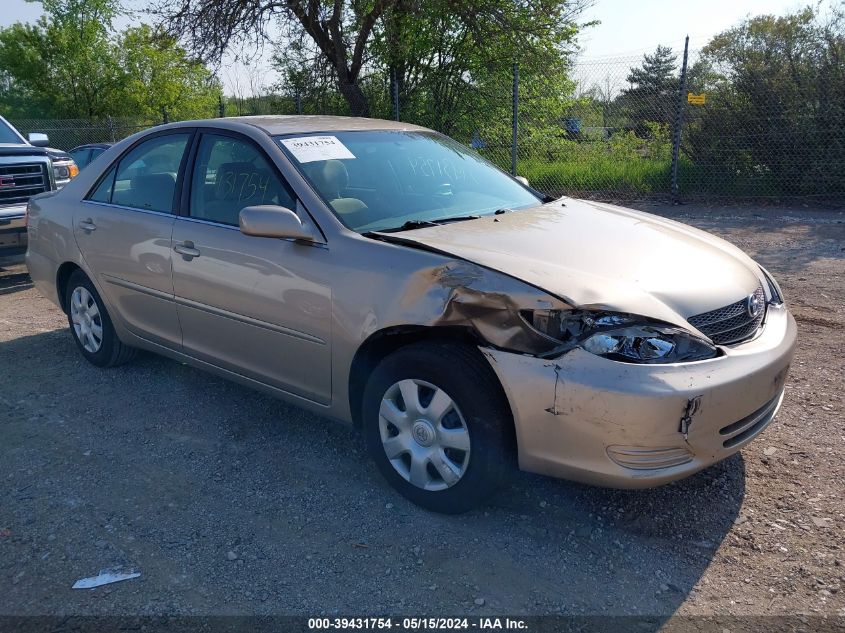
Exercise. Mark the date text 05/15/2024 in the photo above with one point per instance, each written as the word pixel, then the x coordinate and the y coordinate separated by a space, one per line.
pixel 418 624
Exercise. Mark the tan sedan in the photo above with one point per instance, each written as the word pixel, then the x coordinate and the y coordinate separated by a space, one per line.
pixel 384 275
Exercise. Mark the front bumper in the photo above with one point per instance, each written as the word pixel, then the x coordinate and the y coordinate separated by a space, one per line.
pixel 602 422
pixel 13 217
pixel 12 226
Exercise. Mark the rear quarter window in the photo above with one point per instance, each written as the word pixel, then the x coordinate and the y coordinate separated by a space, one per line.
pixel 103 192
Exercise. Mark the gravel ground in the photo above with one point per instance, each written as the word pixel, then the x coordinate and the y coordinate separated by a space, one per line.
pixel 230 502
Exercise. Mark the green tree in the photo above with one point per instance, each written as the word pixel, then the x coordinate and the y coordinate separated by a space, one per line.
pixel 71 64
pixel 453 61
pixel 340 31
pixel 160 79
pixel 350 37
pixel 652 92
pixel 775 113
pixel 64 65
pixel 308 80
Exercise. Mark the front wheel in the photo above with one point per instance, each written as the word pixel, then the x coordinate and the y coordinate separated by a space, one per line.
pixel 438 426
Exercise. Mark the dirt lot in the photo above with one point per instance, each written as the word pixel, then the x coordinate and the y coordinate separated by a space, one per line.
pixel 229 502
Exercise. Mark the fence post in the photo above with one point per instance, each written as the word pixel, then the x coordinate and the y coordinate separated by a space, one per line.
pixel 164 116
pixel 221 107
pixel 394 93
pixel 298 101
pixel 110 123
pixel 679 121
pixel 515 116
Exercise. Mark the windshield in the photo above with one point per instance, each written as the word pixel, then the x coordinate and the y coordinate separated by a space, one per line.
pixel 378 180
pixel 8 134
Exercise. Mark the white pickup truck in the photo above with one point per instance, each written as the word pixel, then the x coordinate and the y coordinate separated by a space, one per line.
pixel 27 168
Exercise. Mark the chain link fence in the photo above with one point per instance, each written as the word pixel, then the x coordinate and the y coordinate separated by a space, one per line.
pixel 66 134
pixel 612 136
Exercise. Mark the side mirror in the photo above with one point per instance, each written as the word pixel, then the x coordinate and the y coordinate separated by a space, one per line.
pixel 38 139
pixel 271 221
pixel 523 180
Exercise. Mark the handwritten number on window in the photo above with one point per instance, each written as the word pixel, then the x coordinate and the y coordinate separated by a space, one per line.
pixel 246 185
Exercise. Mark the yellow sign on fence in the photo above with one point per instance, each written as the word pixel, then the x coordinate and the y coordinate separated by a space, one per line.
pixel 695 99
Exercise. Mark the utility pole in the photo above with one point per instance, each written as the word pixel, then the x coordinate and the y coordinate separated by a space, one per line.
pixel 679 121
pixel 515 117
pixel 394 92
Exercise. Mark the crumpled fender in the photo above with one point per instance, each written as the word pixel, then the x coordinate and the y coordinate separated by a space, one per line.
pixel 462 294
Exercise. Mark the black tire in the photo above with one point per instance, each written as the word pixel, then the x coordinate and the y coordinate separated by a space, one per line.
pixel 112 351
pixel 461 372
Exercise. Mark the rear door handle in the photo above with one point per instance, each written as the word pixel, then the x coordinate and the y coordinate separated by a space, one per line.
pixel 186 249
pixel 87 225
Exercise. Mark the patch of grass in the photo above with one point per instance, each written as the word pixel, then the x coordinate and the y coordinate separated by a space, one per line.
pixel 628 166
pixel 632 176
pixel 718 180
pixel 624 164
pixel 628 176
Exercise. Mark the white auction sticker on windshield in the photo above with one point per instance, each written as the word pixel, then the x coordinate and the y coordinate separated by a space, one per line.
pixel 307 149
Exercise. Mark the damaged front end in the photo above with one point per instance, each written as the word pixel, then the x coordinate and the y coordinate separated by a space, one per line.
pixel 512 315
pixel 597 394
pixel 487 303
pixel 628 424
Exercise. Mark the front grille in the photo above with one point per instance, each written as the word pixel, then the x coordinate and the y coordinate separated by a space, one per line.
pixel 18 183
pixel 733 323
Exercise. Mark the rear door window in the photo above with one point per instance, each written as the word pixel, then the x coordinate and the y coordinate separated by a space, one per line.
pixel 146 176
pixel 103 191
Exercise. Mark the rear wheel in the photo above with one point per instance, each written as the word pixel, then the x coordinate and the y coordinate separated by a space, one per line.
pixel 91 326
pixel 438 426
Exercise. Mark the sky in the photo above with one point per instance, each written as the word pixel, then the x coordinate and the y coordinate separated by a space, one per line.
pixel 627 29
pixel 631 27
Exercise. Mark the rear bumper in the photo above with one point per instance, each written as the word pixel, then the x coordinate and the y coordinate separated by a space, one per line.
pixel 42 271
pixel 590 419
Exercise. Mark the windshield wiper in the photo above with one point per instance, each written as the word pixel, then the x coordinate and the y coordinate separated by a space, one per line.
pixel 410 225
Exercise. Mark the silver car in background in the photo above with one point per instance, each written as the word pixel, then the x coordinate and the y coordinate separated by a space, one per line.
pixel 384 275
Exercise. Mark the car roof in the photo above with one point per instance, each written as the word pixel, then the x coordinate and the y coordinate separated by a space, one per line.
pixel 305 123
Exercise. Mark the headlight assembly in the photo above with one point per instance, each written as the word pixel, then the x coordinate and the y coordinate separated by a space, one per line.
pixel 65 170
pixel 621 337
pixel 774 288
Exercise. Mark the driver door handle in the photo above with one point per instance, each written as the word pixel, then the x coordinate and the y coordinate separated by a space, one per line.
pixel 186 249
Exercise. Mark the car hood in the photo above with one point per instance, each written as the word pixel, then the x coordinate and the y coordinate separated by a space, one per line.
pixel 18 149
pixel 600 256
pixel 57 154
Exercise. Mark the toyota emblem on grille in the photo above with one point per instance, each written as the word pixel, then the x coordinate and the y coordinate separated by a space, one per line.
pixel 753 305
pixel 6 182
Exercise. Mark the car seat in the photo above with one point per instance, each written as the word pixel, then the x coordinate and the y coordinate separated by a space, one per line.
pixel 331 179
pixel 149 191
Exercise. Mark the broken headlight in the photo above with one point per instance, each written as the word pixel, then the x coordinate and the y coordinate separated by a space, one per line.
pixel 774 288
pixel 621 337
